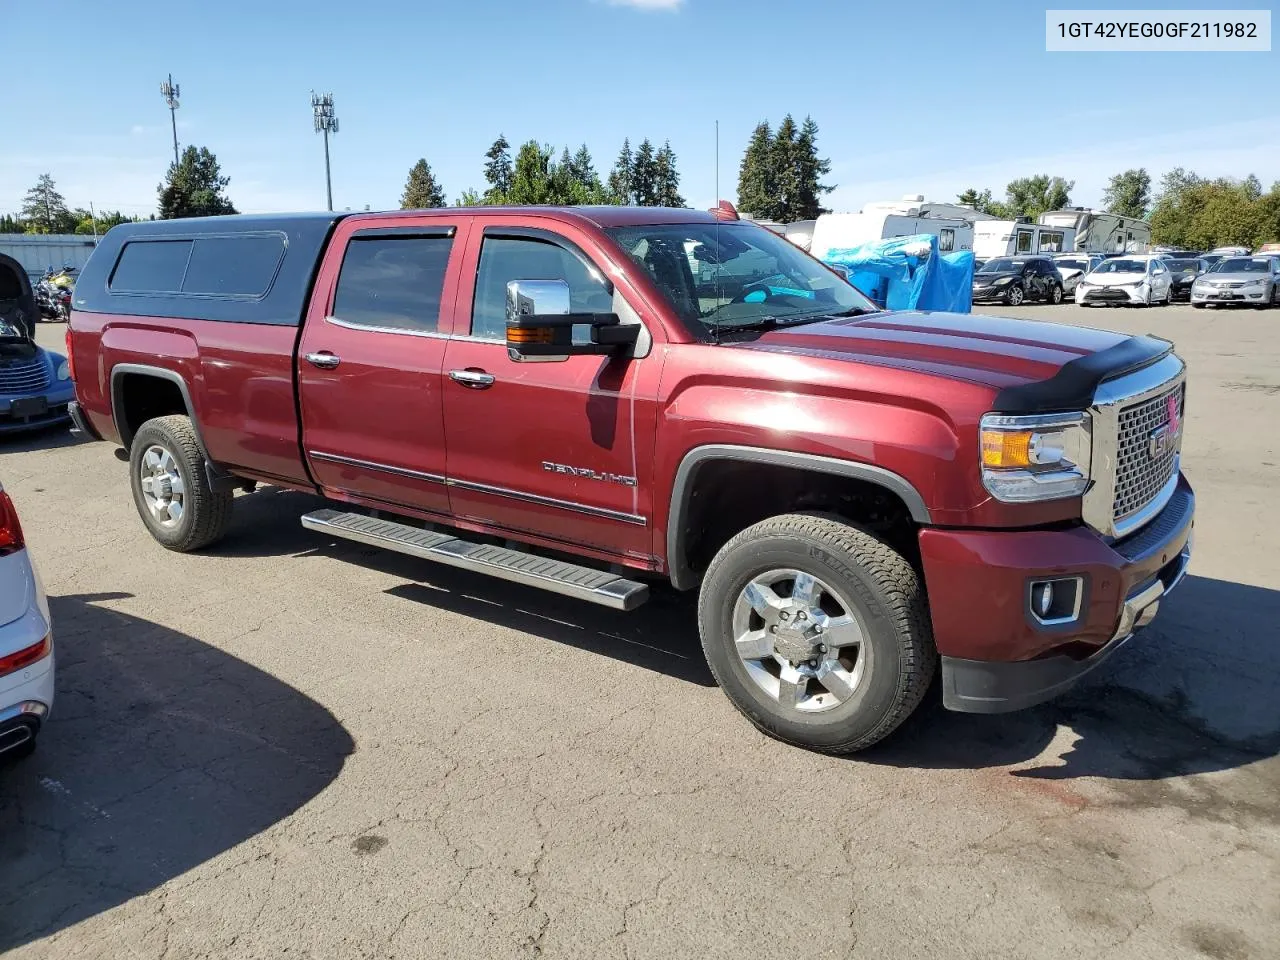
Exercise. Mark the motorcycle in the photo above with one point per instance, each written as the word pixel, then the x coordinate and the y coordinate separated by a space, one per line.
pixel 53 295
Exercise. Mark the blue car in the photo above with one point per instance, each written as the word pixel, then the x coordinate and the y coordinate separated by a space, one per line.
pixel 35 384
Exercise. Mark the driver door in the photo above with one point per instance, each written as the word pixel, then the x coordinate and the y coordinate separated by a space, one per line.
pixel 553 451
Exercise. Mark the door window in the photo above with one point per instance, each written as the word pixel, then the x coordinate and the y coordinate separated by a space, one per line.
pixel 392 283
pixel 503 259
pixel 1024 242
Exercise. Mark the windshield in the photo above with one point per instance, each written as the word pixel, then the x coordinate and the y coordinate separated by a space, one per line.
pixel 725 275
pixel 1002 265
pixel 1241 265
pixel 1072 264
pixel 1121 266
pixel 1183 266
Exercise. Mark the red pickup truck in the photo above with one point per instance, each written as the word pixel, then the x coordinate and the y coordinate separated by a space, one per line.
pixel 591 400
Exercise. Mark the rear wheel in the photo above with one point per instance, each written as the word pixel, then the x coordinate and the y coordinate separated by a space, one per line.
pixel 1055 295
pixel 817 632
pixel 171 488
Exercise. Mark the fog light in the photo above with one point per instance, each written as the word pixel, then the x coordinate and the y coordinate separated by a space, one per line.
pixel 1055 602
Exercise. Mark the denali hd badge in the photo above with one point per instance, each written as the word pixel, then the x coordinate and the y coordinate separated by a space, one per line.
pixel 588 473
pixel 1163 438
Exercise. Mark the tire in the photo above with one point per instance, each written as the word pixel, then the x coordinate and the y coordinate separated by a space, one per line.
pixel 1015 296
pixel 867 589
pixel 203 513
pixel 1055 295
pixel 1198 306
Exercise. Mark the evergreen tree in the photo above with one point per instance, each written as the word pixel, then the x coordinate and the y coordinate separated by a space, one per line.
pixel 421 191
pixel 810 169
pixel 11 224
pixel 194 187
pixel 531 175
pixel 667 177
pixel 498 171
pixel 784 162
pixel 620 179
pixel 469 198
pixel 644 176
pixel 1129 193
pixel 44 209
pixel 757 193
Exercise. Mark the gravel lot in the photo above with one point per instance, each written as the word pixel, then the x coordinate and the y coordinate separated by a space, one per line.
pixel 292 747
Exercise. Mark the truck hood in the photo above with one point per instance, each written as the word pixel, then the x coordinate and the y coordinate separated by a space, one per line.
pixel 998 352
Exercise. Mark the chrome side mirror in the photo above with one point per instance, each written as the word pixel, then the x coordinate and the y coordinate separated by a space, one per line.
pixel 540 324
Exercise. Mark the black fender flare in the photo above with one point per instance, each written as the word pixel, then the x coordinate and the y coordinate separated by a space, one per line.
pixel 684 578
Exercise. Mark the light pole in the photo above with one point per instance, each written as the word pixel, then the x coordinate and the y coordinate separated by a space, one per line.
pixel 326 123
pixel 169 90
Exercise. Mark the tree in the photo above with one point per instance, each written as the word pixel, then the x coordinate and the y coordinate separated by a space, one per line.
pixel 757 190
pixel 421 191
pixel 1191 211
pixel 1128 194
pixel 469 198
pixel 620 178
pixel 786 171
pixel 498 171
pixel 644 176
pixel 582 173
pixel 530 177
pixel 11 224
pixel 194 187
pixel 809 171
pixel 1032 196
pixel 44 209
pixel 667 178
pixel 87 223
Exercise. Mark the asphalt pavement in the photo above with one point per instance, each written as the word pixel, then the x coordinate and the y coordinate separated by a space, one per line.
pixel 288 746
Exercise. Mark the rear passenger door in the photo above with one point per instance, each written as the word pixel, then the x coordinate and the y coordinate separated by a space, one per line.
pixel 370 361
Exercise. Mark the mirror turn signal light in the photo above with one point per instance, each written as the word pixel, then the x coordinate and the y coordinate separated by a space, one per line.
pixel 530 335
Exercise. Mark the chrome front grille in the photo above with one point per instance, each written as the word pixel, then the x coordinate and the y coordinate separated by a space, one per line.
pixel 1135 455
pixel 23 376
pixel 1143 465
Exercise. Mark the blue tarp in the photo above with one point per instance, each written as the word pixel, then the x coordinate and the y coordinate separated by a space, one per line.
pixel 908 273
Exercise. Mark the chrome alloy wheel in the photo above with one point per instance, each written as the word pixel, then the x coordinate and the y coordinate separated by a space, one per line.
pixel 162 488
pixel 799 640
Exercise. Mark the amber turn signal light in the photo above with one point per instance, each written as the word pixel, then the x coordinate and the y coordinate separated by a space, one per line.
pixel 529 335
pixel 1006 448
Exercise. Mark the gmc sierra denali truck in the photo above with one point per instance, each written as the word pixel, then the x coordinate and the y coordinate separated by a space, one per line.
pixel 590 400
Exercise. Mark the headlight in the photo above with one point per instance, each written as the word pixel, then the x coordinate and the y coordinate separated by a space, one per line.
pixel 1004 280
pixel 1255 283
pixel 1043 457
pixel 64 371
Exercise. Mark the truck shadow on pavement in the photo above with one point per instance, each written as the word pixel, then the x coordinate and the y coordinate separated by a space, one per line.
pixel 46 438
pixel 662 636
pixel 1198 691
pixel 163 752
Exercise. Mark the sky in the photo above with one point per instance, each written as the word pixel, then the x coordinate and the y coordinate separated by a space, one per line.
pixel 926 97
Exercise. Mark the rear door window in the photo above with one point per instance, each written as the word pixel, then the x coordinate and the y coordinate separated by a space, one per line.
pixel 393 282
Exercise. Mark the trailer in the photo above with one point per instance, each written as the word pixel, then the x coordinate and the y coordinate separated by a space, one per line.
pixel 1012 238
pixel 1099 232
pixel 844 231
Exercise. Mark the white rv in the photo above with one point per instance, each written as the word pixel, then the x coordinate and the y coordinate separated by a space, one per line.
pixel 840 231
pixel 1098 232
pixel 1012 238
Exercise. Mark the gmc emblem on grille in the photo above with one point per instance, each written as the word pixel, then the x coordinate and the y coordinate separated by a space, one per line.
pixel 1162 439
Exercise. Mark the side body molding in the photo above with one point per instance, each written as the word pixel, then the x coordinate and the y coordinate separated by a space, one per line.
pixel 683 578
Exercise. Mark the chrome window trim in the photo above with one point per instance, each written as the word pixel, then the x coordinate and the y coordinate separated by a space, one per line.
pixel 1098 502
pixel 350 325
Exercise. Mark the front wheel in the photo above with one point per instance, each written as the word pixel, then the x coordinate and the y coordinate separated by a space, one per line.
pixel 171 487
pixel 817 631
pixel 1014 296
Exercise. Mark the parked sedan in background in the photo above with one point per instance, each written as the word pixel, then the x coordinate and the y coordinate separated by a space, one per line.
pixel 1072 267
pixel 1239 280
pixel 26 640
pixel 1185 271
pixel 1141 279
pixel 1015 279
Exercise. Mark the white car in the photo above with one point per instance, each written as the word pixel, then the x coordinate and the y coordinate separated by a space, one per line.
pixel 26 641
pixel 1073 267
pixel 1140 278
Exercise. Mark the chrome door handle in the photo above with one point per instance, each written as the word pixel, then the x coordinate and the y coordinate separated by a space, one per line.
pixel 323 360
pixel 476 379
